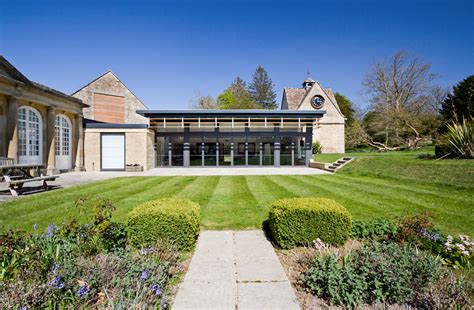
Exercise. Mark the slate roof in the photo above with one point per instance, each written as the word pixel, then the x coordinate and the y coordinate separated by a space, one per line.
pixel 294 97
pixel 17 76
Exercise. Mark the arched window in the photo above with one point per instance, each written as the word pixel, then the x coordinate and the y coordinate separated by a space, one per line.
pixel 63 142
pixel 30 136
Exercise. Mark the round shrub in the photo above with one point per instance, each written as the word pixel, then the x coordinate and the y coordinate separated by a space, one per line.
pixel 171 219
pixel 299 221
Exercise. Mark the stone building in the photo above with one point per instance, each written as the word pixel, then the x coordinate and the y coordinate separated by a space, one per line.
pixel 39 125
pixel 329 130
pixel 103 126
pixel 115 136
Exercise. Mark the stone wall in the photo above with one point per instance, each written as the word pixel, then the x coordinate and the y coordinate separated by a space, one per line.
pixel 109 84
pixel 331 137
pixel 138 145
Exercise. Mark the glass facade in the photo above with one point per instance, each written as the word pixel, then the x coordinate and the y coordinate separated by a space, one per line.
pixel 225 142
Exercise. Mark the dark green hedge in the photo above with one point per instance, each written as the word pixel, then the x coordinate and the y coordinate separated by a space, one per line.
pixel 171 219
pixel 299 221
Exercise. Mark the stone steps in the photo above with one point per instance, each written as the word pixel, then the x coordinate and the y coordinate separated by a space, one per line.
pixel 331 167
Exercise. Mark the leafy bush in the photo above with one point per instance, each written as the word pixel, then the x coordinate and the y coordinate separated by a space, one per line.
pixel 317 147
pixel 165 219
pixel 299 221
pixel 443 150
pixel 377 228
pixel 387 273
pixel 461 138
pixel 83 265
pixel 336 280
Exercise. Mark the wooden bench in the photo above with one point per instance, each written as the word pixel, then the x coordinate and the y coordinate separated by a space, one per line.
pixel 15 183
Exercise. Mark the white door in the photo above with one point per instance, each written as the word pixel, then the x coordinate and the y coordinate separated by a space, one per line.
pixel 113 151
pixel 63 142
pixel 30 136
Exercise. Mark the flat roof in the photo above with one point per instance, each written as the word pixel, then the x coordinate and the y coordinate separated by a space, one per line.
pixel 232 113
pixel 113 125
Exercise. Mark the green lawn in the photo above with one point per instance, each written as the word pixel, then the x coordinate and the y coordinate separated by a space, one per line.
pixel 373 185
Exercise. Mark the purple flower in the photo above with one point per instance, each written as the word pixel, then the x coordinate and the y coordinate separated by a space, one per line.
pixel 50 230
pixel 82 291
pixel 35 226
pixel 144 274
pixel 157 290
pixel 23 308
pixel 55 268
pixel 57 282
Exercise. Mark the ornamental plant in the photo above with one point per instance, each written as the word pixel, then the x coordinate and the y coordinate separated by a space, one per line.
pixel 299 221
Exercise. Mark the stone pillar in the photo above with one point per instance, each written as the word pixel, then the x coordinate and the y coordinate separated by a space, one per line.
pixel 186 148
pixel 309 144
pixel 51 141
pixel 232 154
pixel 170 155
pixel 12 129
pixel 217 154
pixel 246 153
pixel 276 148
pixel 79 132
pixel 292 153
pixel 261 153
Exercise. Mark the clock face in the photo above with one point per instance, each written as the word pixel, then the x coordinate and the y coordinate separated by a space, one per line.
pixel 317 102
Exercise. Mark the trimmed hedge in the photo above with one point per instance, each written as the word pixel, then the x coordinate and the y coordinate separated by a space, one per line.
pixel 299 221
pixel 171 219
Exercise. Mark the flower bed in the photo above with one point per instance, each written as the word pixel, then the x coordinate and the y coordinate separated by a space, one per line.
pixel 407 264
pixel 85 266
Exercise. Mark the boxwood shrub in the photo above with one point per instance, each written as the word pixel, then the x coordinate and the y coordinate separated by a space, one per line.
pixel 171 219
pixel 299 221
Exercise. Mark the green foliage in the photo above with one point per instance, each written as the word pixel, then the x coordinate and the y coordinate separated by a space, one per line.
pixel 236 96
pixel 336 280
pixel 461 138
pixel 165 219
pixel 378 272
pixel 459 104
pixel 76 266
pixel 377 228
pixel 299 221
pixel 346 107
pixel 317 147
pixel 444 150
pixel 262 90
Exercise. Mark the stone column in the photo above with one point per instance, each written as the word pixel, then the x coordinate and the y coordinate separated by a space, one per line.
pixel 79 132
pixel 292 153
pixel 276 147
pixel 51 141
pixel 170 155
pixel 217 154
pixel 261 153
pixel 246 153
pixel 186 148
pixel 232 154
pixel 12 129
pixel 309 144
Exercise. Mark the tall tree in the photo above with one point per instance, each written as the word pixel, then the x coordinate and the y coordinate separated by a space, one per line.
pixel 262 89
pixel 236 96
pixel 400 93
pixel 346 108
pixel 459 103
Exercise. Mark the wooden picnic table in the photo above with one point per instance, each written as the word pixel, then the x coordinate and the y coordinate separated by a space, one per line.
pixel 17 175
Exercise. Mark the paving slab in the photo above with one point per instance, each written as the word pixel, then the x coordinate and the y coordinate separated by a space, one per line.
pixel 235 270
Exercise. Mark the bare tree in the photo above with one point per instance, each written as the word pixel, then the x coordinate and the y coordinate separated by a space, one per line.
pixel 204 102
pixel 400 92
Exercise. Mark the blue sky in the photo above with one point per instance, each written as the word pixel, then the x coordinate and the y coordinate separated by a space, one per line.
pixel 167 51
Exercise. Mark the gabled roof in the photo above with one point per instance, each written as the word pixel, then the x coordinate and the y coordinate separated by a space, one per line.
pixel 294 97
pixel 104 74
pixel 12 73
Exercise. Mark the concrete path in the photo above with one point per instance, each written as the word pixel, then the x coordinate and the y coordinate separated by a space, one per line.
pixel 235 270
